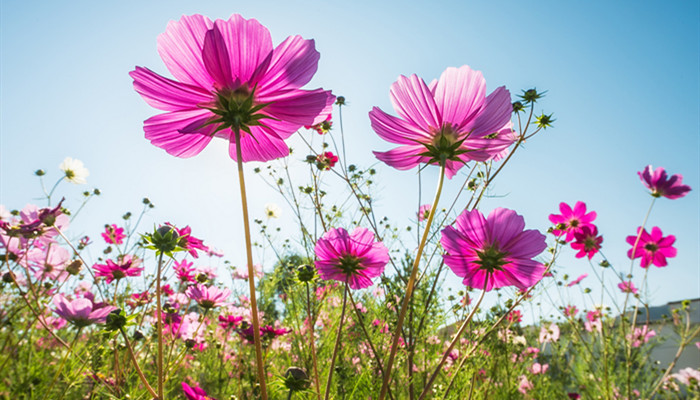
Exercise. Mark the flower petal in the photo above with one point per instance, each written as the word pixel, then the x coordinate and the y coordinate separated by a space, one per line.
pixel 249 46
pixel 294 62
pixel 460 94
pixel 262 145
pixel 396 130
pixel 402 157
pixel 493 116
pixel 413 101
pixel 180 47
pixel 163 130
pixel 298 107
pixel 166 94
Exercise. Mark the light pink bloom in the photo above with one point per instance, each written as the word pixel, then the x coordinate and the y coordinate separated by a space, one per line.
pixel 640 335
pixel 125 266
pixel 594 321
pixel 229 77
pixel 113 234
pixel 653 249
pixel 577 281
pixel 81 312
pixel 538 368
pixel 587 242
pixel 549 333
pixel 424 212
pixel 627 287
pixel 524 385
pixel 48 262
pixel 496 247
pixel 571 221
pixel 571 311
pixel 208 296
pixel 354 258
pixel 660 185
pixel 452 118
pixel 688 376
pixel 242 272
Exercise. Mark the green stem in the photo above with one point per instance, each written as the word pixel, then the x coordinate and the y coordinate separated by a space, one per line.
pixel 312 340
pixel 409 287
pixel 136 364
pixel 63 363
pixel 251 272
pixel 159 327
pixel 337 342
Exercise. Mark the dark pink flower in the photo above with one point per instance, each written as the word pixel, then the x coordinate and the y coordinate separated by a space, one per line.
pixel 229 322
pixel 514 316
pixel 139 299
pixel 587 242
pixel 571 311
pixel 424 212
pixel 189 242
pixel 81 312
pixel 571 221
pixel 497 247
pixel 322 127
pixel 451 119
pixel 660 185
pixel 184 271
pixel 653 249
pixel 354 257
pixel 326 160
pixel 627 287
pixel 113 234
pixel 577 280
pixel 195 393
pixel 230 77
pixel 125 266
pixel 208 296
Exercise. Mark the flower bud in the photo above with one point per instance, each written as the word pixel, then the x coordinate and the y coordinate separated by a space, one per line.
pixel 39 172
pixel 296 380
pixel 74 267
pixel 305 273
pixel 340 100
pixel 116 320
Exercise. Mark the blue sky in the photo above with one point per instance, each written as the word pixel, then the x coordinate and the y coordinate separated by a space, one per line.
pixel 622 81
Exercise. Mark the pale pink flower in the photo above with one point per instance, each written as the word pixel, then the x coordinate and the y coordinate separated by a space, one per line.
pixel 688 376
pixel 653 248
pixel 493 252
pixel 660 185
pixel 208 296
pixel 424 212
pixel 524 384
pixel 571 221
pixel 354 258
pixel 451 119
pixel 549 333
pixel 627 287
pixel 594 321
pixel 230 77
pixel 81 312
pixel 640 336
pixel 571 311
pixel 538 368
pixel 242 272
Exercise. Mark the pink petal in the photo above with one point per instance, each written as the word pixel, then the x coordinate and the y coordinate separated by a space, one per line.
pixel 249 46
pixel 262 145
pixel 413 101
pixel 460 94
pixel 180 47
pixel 402 157
pixel 163 131
pixel 216 58
pixel 167 94
pixel 300 107
pixel 493 116
pixel 396 130
pixel 504 225
pixel 294 62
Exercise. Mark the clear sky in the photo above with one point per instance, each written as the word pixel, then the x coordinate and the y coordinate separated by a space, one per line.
pixel 622 80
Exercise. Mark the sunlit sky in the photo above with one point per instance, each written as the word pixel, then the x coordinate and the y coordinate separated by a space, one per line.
pixel 622 80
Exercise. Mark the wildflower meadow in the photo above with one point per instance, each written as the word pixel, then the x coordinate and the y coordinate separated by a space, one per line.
pixel 379 253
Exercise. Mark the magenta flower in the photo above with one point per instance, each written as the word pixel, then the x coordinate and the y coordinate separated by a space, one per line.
pixel 184 271
pixel 208 296
pixel 514 317
pixel 450 120
pixel 570 221
pixel 113 234
pixel 326 161
pixel 195 393
pixel 640 336
pixel 125 266
pixel 660 185
pixel 654 248
pixel 322 127
pixel 587 241
pixel 424 212
pixel 354 258
pixel 189 242
pixel 81 312
pixel 577 280
pixel 229 77
pixel 571 311
pixel 627 287
pixel 496 248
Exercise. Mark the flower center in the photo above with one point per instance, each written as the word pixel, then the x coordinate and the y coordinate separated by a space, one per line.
pixel 574 223
pixel 237 109
pixel 349 264
pixel 444 146
pixel 652 247
pixel 590 243
pixel 491 259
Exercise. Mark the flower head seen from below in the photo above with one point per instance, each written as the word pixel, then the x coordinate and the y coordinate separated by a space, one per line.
pixel 627 287
pixel 424 212
pixel 208 296
pixel 661 185
pixel 587 242
pixel 126 265
pixel 113 234
pixel 322 127
pixel 497 248
pixel 75 171
pixel 272 210
pixel 230 78
pixel 354 258
pixel 187 241
pixel 571 221
pixel 451 121
pixel 195 393
pixel 653 248
pixel 326 161
pixel 81 312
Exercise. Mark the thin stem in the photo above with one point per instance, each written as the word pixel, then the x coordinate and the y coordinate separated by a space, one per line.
pixel 337 343
pixel 136 364
pixel 438 368
pixel 312 340
pixel 63 363
pixel 409 287
pixel 251 271
pixel 159 327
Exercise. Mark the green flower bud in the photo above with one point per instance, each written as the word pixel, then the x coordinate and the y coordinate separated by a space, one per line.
pixel 305 273
pixel 296 380
pixel 116 320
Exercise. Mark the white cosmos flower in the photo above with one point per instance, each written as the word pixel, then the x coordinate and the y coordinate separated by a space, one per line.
pixel 75 170
pixel 272 210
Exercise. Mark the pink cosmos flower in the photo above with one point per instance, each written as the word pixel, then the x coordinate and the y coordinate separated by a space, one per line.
pixel 538 368
pixel 184 271
pixel 549 333
pixel 229 322
pixel 577 281
pixel 571 311
pixel 195 393
pixel 424 211
pixel 627 287
pixel 322 127
pixel 514 317
pixel 229 77
pixel 113 234
pixel 208 296
pixel 497 248
pixel 594 321
pixel 657 181
pixel 688 376
pixel 571 221
pixel 125 266
pixel 640 335
pixel 81 312
pixel 189 242
pixel 354 258
pixel 654 248
pixel 326 160
pixel 451 119
pixel 587 241
pixel 524 385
